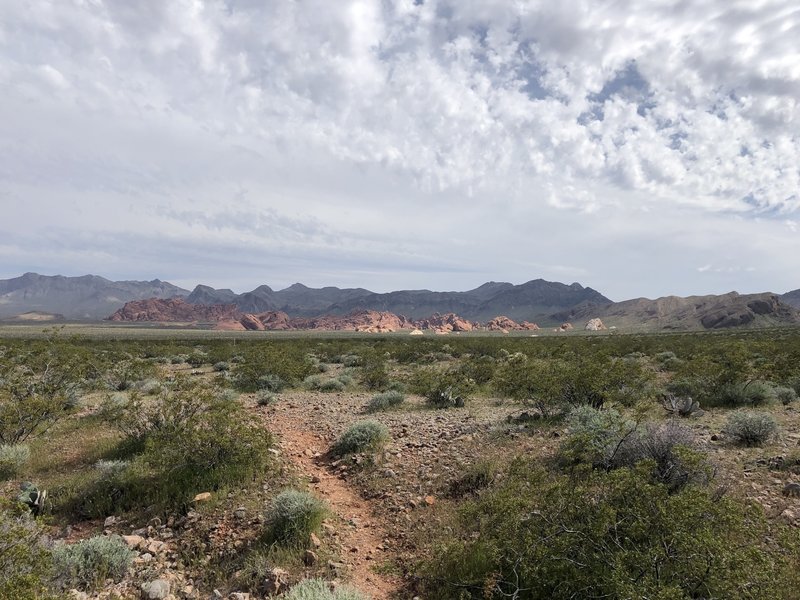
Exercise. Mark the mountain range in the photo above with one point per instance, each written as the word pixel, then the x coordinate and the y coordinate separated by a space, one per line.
pixel 93 298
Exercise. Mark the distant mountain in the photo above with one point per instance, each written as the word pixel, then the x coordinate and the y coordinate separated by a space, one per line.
pixel 791 298
pixel 87 297
pixel 531 301
pixel 693 312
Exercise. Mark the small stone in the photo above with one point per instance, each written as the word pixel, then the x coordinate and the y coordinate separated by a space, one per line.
pixel 315 479
pixel 277 579
pixel 310 558
pixel 156 590
pixel 239 596
pixel 202 497
pixel 315 540
pixel 430 500
pixel 109 521
pixel 240 513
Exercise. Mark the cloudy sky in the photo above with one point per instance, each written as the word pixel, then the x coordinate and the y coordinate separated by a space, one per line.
pixel 640 147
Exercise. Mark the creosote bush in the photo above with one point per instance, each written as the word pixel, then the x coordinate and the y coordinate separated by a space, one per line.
pixel 265 397
pixel 318 589
pixel 86 564
pixel 385 401
pixel 25 563
pixel 751 428
pixel 363 436
pixel 619 534
pixel 442 389
pixel 12 458
pixel 293 517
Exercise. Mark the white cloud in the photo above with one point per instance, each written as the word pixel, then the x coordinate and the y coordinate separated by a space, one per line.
pixel 590 135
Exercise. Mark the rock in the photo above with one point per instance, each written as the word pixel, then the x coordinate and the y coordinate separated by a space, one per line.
pixel 430 500
pixel 594 325
pixel 504 324
pixel 156 590
pixel 239 596
pixel 310 558
pixel 315 540
pixel 240 513
pixel 276 581
pixel 109 522
pixel 202 497
pixel 444 323
pixel 77 595
pixel 133 541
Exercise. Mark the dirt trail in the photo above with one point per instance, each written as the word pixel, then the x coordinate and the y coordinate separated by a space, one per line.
pixel 363 535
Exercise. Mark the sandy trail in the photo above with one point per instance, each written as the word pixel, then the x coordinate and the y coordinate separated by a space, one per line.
pixel 362 537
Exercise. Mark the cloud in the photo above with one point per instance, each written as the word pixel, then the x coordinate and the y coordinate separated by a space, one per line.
pixel 477 138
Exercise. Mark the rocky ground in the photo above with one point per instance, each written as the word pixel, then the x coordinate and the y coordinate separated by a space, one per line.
pixel 381 506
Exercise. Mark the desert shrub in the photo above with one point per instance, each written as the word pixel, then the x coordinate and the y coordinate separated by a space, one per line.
pixel 442 389
pixel 125 374
pixel 667 361
pixel 318 589
pixel 25 564
pixel 197 358
pixel 12 458
pixel 185 440
pixel 88 563
pixel 668 447
pixel 222 366
pixel 350 360
pixel 148 386
pixel 751 393
pixel 331 385
pixel 750 428
pixel 785 395
pixel 363 436
pixel 321 384
pixel 37 388
pixel 111 467
pixel 555 386
pixel 476 478
pixel 594 437
pixel 480 369
pixel 385 401
pixel 293 517
pixel 682 406
pixel 265 397
pixel 534 534
pixel 374 375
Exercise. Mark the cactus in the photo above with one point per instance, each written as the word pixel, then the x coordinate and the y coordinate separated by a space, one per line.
pixel 683 406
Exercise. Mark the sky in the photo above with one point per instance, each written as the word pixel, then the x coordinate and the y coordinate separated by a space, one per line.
pixel 642 148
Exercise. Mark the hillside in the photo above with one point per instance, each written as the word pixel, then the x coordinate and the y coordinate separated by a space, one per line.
pixel 693 312
pixel 791 298
pixel 87 297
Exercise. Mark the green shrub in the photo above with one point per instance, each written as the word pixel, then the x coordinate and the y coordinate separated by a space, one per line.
pixel 612 535
pixel 317 589
pixel 385 401
pixel 293 517
pixel 785 395
pixel 477 477
pixel 752 393
pixel 12 458
pixel 25 564
pixel 186 440
pixel 331 385
pixel 751 428
pixel 442 389
pixel 86 564
pixel 363 436
pixel 265 397
pixel 594 437
pixel 222 366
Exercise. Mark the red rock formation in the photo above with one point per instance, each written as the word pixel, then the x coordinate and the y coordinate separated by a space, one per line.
pixel 564 327
pixel 275 321
pixel 370 321
pixel 595 325
pixel 229 326
pixel 503 323
pixel 447 322
pixel 175 310
pixel 251 323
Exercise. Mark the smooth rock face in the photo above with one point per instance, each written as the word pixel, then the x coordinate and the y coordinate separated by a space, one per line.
pixel 504 324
